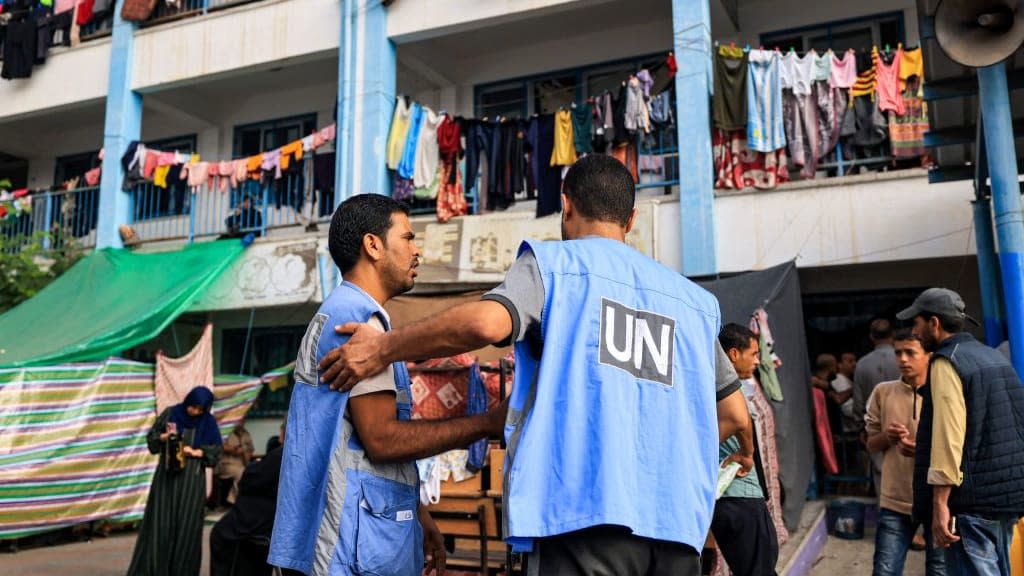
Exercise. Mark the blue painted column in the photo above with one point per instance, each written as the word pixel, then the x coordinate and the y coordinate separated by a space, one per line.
pixel 691 31
pixel 988 273
pixel 122 124
pixel 1002 163
pixel 367 94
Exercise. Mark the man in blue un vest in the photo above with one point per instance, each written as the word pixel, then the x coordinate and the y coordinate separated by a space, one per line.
pixel 348 499
pixel 969 457
pixel 615 417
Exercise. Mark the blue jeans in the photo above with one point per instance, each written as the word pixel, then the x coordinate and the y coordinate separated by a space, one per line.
pixel 892 539
pixel 983 548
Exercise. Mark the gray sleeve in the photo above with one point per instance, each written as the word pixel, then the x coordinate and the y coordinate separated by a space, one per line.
pixel 383 382
pixel 726 379
pixel 522 294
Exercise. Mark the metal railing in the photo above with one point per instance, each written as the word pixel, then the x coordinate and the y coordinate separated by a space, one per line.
pixel 56 215
pixel 166 11
pixel 218 209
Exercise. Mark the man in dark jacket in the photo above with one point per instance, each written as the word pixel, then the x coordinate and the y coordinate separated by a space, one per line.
pixel 240 541
pixel 969 460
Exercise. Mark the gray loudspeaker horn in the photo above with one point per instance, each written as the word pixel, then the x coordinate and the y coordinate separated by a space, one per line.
pixel 979 33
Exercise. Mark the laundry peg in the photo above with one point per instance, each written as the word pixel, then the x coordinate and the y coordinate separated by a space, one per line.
pixel 792 50
pixel 887 49
pixel 746 48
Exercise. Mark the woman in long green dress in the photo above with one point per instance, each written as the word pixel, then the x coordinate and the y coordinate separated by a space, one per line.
pixel 170 542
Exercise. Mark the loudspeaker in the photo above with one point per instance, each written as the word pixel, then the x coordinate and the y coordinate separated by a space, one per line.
pixel 979 33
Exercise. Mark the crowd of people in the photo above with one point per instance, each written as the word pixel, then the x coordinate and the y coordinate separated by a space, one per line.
pixel 616 435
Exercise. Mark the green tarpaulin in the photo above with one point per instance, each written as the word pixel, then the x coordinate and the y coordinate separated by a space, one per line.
pixel 110 301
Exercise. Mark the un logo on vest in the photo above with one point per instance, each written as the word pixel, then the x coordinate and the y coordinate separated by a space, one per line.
pixel 636 341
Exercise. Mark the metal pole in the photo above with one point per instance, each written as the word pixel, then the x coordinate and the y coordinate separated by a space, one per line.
pixel 1002 162
pixel 988 272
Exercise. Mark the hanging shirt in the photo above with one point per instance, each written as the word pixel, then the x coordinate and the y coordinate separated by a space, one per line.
pixel 428 155
pixel 729 102
pixel 911 65
pixel 844 71
pixel 865 83
pixel 407 165
pixel 564 153
pixel 887 82
pixel 582 121
pixel 800 72
pixel 765 129
pixel 397 134
pixel 822 69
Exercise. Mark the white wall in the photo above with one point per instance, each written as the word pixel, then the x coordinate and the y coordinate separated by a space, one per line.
pixel 70 75
pixel 222 43
pixel 867 221
pixel 409 21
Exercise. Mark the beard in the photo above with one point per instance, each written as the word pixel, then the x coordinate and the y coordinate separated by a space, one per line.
pixel 929 342
pixel 397 278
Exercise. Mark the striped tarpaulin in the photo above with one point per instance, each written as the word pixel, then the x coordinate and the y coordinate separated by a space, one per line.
pixel 73 441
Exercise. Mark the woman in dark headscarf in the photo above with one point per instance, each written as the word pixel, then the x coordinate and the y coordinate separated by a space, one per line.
pixel 170 541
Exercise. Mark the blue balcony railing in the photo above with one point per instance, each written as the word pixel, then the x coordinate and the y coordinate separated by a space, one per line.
pixel 58 216
pixel 182 213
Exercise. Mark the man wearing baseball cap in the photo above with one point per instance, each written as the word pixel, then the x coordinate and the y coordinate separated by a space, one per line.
pixel 969 459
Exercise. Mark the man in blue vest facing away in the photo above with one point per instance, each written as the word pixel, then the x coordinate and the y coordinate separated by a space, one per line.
pixel 612 426
pixel 348 499
pixel 969 458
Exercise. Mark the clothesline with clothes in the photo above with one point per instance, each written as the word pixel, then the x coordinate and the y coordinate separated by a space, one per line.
pixel 165 168
pixel 429 151
pixel 15 203
pixel 29 28
pixel 852 106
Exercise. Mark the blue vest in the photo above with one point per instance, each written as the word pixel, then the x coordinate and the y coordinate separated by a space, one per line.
pixel 338 512
pixel 616 423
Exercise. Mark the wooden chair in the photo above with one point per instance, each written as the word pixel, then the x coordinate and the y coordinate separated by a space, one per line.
pixel 473 522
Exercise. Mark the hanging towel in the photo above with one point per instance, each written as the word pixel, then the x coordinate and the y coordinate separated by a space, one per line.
pixel 398 133
pixel 564 153
pixel 428 156
pixel 765 131
pixel 407 165
pixel 769 361
pixel 729 102
pixel 175 377
pixel 887 82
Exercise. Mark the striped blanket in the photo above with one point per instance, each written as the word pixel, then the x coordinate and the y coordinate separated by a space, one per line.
pixel 73 441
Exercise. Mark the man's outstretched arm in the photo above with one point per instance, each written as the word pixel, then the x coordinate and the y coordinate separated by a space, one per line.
pixel 388 439
pixel 368 352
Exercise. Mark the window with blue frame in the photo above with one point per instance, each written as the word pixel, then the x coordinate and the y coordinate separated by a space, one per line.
pixel 268 348
pixel 290 191
pixel 854 33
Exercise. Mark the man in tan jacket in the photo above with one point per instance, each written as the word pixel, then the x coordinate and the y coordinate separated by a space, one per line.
pixel 891 420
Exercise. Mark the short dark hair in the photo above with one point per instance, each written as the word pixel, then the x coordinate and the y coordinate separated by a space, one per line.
pixel 735 336
pixel 601 188
pixel 881 329
pixel 847 353
pixel 949 323
pixel 824 361
pixel 906 335
pixel 356 217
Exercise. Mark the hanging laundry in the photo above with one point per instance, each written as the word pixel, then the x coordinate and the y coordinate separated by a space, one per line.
pixel 906 132
pixel 763 416
pixel 844 71
pixel 92 177
pixel 729 101
pixel 582 123
pixel 621 135
pixel 514 146
pixel 646 82
pixel 323 181
pixel 832 109
pixel 407 165
pixel 289 151
pixel 540 138
pixel 800 115
pixel 636 118
pixel 430 191
pixel 397 134
pixel 865 83
pixel 872 129
pixel 19 49
pixel 272 163
pixel 478 142
pixel 662 114
pixel 451 200
pixel 603 124
pixel 769 360
pixel 887 81
pixel 564 153
pixel 449 140
pixel 672 66
pixel 765 130
pixel 427 154
pixel 402 190
pixel 175 377
pixel 737 167
pixel 911 65
pixel 800 72
pixel 822 69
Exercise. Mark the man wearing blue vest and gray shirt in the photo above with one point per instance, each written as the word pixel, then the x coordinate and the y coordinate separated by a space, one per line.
pixel 348 499
pixel 969 458
pixel 613 421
